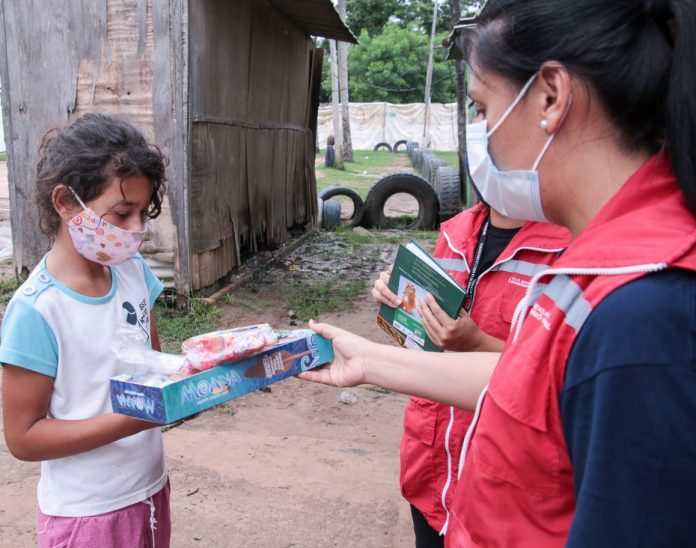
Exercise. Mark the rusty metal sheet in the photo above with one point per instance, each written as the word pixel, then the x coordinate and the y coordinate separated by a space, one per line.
pixel 316 17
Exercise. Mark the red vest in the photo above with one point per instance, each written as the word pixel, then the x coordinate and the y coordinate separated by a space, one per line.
pixel 433 433
pixel 516 487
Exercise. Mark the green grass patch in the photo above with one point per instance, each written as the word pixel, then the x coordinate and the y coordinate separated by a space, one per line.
pixel 311 301
pixel 254 301
pixel 359 174
pixel 175 325
pixel 3 156
pixel 8 287
pixel 423 236
pixel 449 156
pixel 356 239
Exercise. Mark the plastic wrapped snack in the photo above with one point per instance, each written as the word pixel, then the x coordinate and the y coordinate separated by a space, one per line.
pixel 211 349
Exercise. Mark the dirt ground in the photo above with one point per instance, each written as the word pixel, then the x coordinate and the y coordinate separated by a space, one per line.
pixel 293 467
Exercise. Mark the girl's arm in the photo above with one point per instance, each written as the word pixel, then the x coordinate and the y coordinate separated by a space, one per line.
pixel 31 436
pixel 450 378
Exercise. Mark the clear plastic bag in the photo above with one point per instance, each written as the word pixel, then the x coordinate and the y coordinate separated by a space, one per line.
pixel 131 346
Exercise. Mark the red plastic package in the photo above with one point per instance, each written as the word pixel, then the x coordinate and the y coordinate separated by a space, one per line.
pixel 211 349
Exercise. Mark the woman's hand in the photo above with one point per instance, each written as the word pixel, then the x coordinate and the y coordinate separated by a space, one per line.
pixel 381 292
pixel 347 367
pixel 460 334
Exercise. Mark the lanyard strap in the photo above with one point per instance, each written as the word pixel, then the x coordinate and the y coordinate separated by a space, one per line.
pixel 472 282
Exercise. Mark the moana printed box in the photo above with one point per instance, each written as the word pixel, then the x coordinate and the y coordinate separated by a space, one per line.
pixel 158 398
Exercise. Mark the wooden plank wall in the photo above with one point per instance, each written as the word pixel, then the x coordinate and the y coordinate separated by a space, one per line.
pixel 66 57
pixel 43 45
pixel 252 176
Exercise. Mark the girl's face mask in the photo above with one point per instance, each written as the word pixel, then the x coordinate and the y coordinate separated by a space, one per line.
pixel 102 242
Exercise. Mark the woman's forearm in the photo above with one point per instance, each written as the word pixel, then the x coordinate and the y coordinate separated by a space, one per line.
pixel 451 378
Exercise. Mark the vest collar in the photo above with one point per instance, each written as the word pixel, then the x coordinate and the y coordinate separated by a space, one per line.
pixel 646 222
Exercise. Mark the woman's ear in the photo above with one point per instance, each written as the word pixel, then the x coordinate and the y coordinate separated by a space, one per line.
pixel 64 203
pixel 556 95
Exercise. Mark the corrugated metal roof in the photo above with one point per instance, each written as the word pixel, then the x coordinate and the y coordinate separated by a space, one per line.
pixel 316 17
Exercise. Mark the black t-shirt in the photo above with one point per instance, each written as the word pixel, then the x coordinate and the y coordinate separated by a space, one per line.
pixel 494 240
pixel 497 240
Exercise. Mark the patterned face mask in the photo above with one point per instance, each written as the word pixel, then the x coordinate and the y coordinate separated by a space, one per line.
pixel 102 242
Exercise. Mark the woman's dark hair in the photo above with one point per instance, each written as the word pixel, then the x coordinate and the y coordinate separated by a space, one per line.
pixel 86 154
pixel 639 56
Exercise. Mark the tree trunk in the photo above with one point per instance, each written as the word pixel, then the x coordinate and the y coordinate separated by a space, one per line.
pixel 347 144
pixel 335 103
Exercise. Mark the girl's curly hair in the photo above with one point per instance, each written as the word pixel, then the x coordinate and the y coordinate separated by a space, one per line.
pixel 86 154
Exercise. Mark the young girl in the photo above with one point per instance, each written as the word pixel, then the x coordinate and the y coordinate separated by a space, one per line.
pixel 103 476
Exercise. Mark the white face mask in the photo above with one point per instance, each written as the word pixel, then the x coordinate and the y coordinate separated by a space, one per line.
pixel 515 193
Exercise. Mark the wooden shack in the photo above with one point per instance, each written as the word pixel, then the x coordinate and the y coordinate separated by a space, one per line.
pixel 228 89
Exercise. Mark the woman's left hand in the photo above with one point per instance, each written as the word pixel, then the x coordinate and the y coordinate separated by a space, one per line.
pixel 460 334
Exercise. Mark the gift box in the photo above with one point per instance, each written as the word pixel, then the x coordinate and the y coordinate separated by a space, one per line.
pixel 164 399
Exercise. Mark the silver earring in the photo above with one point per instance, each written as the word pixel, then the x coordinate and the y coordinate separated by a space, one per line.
pixel 544 124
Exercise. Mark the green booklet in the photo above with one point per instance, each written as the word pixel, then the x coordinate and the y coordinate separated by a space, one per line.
pixel 415 274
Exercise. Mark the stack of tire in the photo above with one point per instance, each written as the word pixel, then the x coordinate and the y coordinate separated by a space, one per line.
pixel 437 193
pixel 430 168
pixel 370 213
pixel 330 209
pixel 444 179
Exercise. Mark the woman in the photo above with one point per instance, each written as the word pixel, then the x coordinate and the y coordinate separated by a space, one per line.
pixel 585 434
pixel 493 257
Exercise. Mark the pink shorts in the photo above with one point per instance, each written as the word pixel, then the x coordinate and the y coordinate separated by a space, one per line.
pixel 145 524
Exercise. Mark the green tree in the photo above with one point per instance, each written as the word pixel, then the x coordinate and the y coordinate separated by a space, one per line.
pixel 373 15
pixel 419 14
pixel 391 67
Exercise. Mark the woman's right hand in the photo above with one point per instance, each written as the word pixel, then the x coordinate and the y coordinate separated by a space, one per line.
pixel 347 367
pixel 381 292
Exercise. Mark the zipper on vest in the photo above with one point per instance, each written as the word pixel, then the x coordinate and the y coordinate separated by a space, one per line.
pixel 451 423
pixel 455 250
pixel 443 496
pixel 465 446
pixel 524 304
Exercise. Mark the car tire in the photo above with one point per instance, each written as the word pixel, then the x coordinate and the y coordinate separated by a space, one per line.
pixel 332 191
pixel 396 146
pixel 331 214
pixel 379 146
pixel 448 189
pixel 407 183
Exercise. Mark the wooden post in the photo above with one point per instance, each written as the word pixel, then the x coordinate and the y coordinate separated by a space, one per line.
pixel 346 142
pixel 468 198
pixel 335 104
pixel 429 79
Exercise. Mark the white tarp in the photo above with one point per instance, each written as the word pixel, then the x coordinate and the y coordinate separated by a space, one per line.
pixel 373 123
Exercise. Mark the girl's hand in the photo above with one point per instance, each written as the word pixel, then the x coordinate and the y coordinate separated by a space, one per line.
pixel 381 292
pixel 460 334
pixel 347 367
